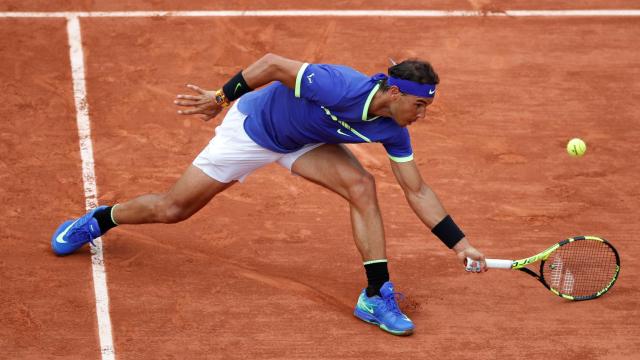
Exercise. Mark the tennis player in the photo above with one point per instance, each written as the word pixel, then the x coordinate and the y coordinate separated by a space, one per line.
pixel 300 120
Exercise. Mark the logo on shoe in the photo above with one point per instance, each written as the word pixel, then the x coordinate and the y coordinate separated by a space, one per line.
pixel 60 238
pixel 364 306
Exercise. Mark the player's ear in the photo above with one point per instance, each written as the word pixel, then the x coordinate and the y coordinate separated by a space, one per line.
pixel 394 92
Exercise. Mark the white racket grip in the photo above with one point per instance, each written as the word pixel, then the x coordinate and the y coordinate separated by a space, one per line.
pixel 499 264
pixel 473 265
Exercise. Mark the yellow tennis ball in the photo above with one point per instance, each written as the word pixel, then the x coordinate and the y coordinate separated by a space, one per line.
pixel 576 147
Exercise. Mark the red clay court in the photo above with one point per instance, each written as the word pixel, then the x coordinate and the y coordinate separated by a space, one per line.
pixel 269 269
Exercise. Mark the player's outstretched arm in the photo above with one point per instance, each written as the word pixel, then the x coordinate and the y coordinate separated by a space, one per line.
pixel 272 68
pixel 208 103
pixel 429 209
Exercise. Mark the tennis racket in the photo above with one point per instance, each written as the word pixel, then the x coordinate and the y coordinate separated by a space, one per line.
pixel 578 268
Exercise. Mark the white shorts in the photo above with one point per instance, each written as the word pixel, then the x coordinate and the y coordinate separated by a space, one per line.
pixel 232 155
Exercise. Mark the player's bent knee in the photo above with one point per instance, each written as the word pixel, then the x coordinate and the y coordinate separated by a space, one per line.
pixel 171 213
pixel 362 189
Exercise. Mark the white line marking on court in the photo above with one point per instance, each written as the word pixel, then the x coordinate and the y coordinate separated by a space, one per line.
pixel 90 187
pixel 332 13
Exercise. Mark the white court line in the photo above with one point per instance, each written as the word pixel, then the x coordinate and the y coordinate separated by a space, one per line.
pixel 90 187
pixel 332 13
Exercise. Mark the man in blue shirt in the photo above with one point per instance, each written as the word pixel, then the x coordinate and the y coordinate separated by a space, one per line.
pixel 300 119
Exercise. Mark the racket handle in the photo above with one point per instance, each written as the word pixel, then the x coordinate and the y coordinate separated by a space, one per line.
pixel 491 264
pixel 499 264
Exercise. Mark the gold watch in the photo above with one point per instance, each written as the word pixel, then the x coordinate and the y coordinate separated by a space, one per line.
pixel 221 99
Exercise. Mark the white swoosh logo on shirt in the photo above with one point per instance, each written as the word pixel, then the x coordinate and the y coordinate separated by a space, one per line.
pixel 342 133
pixel 59 238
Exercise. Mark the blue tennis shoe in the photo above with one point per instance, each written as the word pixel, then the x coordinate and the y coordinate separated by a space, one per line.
pixel 72 235
pixel 384 311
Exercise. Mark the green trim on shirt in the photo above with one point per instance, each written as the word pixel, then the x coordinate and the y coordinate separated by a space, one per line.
pixel 299 78
pixel 365 111
pixel 345 125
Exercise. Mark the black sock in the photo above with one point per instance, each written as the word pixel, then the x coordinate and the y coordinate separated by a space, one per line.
pixel 104 219
pixel 377 275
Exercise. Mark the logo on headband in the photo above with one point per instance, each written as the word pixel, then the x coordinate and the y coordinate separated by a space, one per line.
pixel 413 88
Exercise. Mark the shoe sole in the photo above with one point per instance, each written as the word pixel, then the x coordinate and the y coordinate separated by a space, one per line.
pixel 368 318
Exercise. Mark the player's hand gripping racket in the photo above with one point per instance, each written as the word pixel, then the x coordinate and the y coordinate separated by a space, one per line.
pixel 579 268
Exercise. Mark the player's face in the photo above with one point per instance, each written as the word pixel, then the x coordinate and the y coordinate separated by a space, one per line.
pixel 407 109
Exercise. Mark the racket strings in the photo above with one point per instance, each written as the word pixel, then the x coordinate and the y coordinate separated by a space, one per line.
pixel 581 268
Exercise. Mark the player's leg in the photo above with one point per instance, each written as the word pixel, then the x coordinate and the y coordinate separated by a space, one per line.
pixel 335 168
pixel 230 156
pixel 190 193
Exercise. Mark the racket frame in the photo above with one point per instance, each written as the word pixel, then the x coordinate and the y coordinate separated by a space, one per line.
pixel 544 255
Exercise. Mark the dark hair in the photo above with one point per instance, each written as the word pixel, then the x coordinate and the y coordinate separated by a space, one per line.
pixel 415 70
